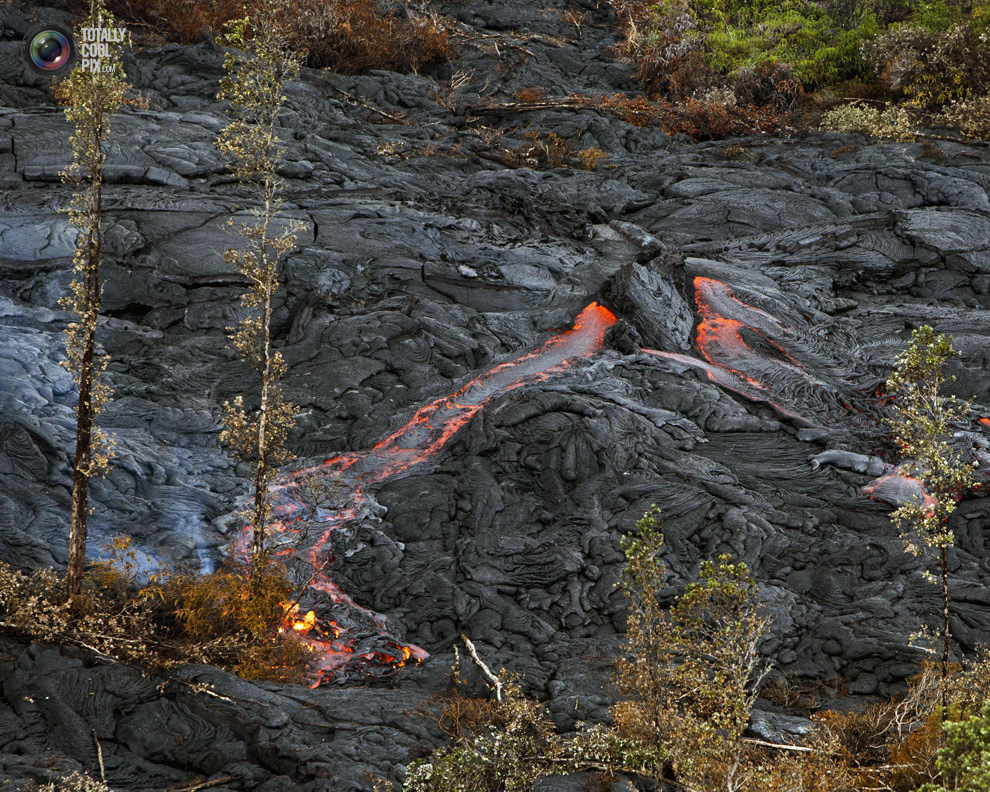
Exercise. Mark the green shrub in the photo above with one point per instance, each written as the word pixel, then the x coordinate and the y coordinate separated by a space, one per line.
pixel 682 45
pixel 689 676
pixel 964 761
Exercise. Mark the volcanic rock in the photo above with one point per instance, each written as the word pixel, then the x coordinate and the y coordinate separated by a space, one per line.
pixel 760 301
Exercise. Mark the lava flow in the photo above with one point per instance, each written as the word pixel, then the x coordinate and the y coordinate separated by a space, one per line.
pixel 741 354
pixel 344 636
pixel 899 487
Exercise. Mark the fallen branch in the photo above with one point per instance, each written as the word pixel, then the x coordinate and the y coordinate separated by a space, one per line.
pixel 366 105
pixel 484 668
pixel 778 746
pixel 498 108
pixel 204 784
pixel 99 756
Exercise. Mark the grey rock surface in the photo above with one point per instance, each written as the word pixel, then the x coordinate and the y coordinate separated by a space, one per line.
pixel 762 298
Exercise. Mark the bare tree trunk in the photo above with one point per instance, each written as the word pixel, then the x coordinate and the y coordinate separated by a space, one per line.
pixel 944 563
pixel 262 506
pixel 80 486
pixel 85 413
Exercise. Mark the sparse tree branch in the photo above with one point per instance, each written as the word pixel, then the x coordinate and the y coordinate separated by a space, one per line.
pixel 258 65
pixel 496 682
pixel 921 422
pixel 90 99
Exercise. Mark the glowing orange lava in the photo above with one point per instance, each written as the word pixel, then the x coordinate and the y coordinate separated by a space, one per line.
pixel 334 641
pixel 719 338
pixel 897 487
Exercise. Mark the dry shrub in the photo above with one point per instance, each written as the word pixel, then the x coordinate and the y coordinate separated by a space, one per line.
pixel 231 619
pixel 591 158
pixel 274 660
pixel 970 688
pixel 530 93
pixel 508 744
pixel 109 621
pixel 71 782
pixel 461 717
pixel 819 771
pixel 574 17
pixel 181 21
pixel 248 600
pixel 932 151
pixel 912 756
pixel 117 573
pixel 710 117
pixel 771 83
pixel 356 36
pixel 542 151
pixel 789 692
pixel 345 36
pixel 840 150
pixel 702 119
pixel 658 39
pixel 859 738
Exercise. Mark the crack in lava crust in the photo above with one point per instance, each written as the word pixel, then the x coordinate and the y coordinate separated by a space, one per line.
pixel 346 638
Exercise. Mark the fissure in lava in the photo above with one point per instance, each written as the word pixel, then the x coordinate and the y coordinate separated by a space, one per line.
pixel 346 638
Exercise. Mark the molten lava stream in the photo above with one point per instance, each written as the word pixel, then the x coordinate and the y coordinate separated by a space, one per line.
pixel 343 635
pixel 729 359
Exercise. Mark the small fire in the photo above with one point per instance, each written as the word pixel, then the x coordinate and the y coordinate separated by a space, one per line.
pixel 985 421
pixel 305 624
pixel 300 626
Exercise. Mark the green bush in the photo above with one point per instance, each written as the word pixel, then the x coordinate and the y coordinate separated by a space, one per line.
pixel 931 67
pixel 964 761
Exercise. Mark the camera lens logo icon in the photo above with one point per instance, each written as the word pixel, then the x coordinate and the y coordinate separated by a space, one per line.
pixel 49 47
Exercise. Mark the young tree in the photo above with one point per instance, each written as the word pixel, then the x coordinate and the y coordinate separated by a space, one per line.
pixel 260 64
pixel 90 97
pixel 690 676
pixel 921 424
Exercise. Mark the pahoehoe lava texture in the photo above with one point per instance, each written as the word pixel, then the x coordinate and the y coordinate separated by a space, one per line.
pixel 762 288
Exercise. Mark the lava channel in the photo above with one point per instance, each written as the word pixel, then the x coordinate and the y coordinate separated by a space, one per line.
pixel 345 637
pixel 739 350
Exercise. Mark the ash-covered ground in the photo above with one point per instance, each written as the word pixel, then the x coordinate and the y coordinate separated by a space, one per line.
pixel 761 287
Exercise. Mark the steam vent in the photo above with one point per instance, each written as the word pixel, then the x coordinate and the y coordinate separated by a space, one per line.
pixel 514 317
